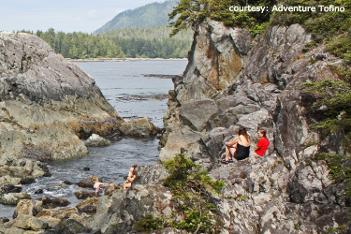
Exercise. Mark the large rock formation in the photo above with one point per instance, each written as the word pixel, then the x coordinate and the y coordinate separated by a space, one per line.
pixel 232 81
pixel 47 103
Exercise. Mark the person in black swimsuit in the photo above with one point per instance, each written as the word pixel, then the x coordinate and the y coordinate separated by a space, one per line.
pixel 239 147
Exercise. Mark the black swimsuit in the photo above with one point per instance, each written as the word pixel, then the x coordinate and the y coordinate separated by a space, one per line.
pixel 242 152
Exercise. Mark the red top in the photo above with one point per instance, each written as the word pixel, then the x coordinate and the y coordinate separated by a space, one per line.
pixel 262 146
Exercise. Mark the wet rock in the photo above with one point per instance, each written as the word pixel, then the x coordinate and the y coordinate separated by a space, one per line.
pixel 9 180
pixel 70 226
pixel 96 141
pixel 60 213
pixel 86 168
pixel 88 206
pixel 53 202
pixel 29 223
pixel 39 191
pixel 67 182
pixel 86 183
pixel 141 127
pixel 9 188
pixel 4 220
pixel 27 180
pixel 24 207
pixel 84 194
pixel 23 171
pixel 12 198
pixel 110 188
pixel 52 222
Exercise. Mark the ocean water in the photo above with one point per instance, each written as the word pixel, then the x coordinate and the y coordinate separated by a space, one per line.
pixel 133 95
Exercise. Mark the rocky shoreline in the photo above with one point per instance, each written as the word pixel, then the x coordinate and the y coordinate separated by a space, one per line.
pixel 231 81
pixel 50 110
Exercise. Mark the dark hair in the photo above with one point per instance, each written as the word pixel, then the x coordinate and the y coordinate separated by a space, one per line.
pixel 135 166
pixel 242 131
pixel 263 132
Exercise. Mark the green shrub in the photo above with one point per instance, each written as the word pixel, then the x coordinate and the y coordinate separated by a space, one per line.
pixel 340 169
pixel 193 190
pixel 331 28
pixel 195 220
pixel 149 223
pixel 341 46
pixel 189 13
pixel 334 121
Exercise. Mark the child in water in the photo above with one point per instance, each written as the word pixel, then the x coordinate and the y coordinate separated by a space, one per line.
pixel 132 174
pixel 98 186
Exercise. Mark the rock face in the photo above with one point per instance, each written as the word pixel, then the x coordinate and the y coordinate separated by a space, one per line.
pixel 47 103
pixel 232 81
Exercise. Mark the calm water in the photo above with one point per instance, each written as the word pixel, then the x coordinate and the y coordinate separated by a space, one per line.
pixel 132 94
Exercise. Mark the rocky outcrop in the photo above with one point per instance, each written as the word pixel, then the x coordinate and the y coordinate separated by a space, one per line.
pixel 140 127
pixel 232 81
pixel 47 104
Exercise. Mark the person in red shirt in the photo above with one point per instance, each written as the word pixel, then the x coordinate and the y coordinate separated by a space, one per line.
pixel 262 144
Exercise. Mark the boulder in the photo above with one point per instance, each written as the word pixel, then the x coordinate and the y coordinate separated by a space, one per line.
pixel 69 226
pixel 29 223
pixel 23 171
pixel 180 140
pixel 88 206
pixel 87 182
pixel 196 114
pixel 141 127
pixel 84 194
pixel 24 207
pixel 110 188
pixel 53 202
pixel 96 141
pixel 9 188
pixel 12 198
pixel 9 180
pixel 59 213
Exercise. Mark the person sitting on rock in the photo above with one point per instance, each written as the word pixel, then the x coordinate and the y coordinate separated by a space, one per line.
pixel 132 174
pixel 98 186
pixel 262 144
pixel 238 147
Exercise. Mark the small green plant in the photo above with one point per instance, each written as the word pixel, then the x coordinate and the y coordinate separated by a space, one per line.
pixel 340 169
pixel 341 46
pixel 190 13
pixel 242 197
pixel 149 223
pixel 195 220
pixel 333 110
pixel 337 230
pixel 193 190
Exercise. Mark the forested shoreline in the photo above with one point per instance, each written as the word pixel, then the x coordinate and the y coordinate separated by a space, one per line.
pixel 122 43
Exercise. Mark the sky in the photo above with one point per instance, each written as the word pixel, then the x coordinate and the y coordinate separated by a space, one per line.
pixel 62 15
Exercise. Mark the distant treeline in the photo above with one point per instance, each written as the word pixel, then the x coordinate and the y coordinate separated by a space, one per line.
pixel 133 43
